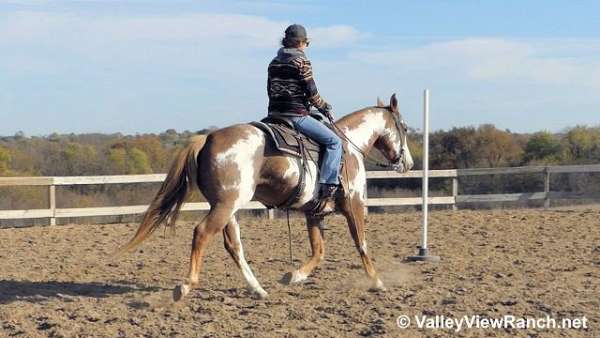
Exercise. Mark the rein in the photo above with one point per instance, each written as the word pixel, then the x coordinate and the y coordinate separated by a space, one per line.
pixel 368 158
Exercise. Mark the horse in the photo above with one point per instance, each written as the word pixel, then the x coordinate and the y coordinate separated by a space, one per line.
pixel 234 165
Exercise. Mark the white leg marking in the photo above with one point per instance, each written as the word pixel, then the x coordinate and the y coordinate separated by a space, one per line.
pixel 297 277
pixel 180 292
pixel 378 285
pixel 253 283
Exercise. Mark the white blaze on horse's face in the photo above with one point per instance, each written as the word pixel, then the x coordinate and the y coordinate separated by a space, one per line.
pixel 394 136
pixel 407 157
pixel 393 143
pixel 405 161
pixel 372 124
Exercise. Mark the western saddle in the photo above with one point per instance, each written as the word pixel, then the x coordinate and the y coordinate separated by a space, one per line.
pixel 285 139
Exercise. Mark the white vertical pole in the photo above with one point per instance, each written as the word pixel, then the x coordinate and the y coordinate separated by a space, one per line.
pixel 423 254
pixel 425 207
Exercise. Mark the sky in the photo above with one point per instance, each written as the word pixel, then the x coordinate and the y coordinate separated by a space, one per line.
pixel 145 66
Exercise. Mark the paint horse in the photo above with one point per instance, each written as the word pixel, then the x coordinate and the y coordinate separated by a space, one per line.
pixel 234 165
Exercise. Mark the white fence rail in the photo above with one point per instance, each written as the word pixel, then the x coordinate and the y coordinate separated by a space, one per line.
pixel 52 212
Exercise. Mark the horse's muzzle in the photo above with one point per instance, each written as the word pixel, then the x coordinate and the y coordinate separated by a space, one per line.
pixel 403 164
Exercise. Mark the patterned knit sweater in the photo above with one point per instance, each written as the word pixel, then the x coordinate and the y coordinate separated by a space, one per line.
pixel 290 85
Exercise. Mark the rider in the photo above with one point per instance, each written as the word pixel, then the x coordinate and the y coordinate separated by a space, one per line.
pixel 292 90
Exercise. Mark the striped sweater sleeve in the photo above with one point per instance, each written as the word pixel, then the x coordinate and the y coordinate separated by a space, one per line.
pixel 310 87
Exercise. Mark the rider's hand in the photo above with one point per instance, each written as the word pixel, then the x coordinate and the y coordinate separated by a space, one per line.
pixel 327 111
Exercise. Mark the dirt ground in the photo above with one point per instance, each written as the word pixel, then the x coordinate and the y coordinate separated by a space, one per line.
pixel 62 282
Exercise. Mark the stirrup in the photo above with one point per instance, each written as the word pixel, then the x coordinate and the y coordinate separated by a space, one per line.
pixel 316 207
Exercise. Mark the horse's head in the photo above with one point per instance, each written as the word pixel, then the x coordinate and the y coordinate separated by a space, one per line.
pixel 392 143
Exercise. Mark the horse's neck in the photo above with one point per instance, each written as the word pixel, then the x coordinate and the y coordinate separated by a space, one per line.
pixel 364 127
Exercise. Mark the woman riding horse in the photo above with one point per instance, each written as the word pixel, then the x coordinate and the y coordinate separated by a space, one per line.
pixel 292 90
pixel 232 166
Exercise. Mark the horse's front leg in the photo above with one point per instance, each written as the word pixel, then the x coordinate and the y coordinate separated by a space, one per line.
pixel 354 210
pixel 317 244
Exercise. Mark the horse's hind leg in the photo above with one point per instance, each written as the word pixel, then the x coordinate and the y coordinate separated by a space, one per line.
pixel 354 212
pixel 204 232
pixel 233 245
pixel 318 250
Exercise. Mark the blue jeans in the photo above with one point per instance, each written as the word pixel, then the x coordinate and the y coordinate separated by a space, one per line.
pixel 317 131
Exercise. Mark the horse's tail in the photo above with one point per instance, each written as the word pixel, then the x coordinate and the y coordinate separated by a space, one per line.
pixel 169 199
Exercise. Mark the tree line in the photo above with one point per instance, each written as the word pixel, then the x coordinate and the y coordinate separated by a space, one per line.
pixel 488 146
pixel 116 154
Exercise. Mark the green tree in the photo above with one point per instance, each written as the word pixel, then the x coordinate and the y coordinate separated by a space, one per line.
pixel 543 147
pixel 79 159
pixel 453 148
pixel 157 155
pixel 138 162
pixel 496 148
pixel 5 161
pixel 117 158
pixel 583 144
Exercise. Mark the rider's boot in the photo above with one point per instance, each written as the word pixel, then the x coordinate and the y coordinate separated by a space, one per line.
pixel 327 191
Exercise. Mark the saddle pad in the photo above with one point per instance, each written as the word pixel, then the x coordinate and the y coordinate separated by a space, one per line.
pixel 288 140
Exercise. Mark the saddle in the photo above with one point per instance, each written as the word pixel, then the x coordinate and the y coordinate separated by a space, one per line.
pixel 286 139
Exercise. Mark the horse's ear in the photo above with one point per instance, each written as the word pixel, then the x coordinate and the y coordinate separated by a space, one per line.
pixel 380 103
pixel 394 103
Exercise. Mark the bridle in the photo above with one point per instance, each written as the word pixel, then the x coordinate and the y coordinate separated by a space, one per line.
pixel 400 128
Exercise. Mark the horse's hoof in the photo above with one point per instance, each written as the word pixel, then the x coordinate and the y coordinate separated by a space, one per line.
pixel 378 286
pixel 260 294
pixel 180 291
pixel 292 277
pixel 297 277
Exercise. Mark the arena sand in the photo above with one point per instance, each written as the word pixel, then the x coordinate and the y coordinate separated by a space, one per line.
pixel 62 282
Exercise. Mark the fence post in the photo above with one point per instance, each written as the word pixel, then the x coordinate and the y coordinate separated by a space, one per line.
pixel 271 213
pixel 547 188
pixel 52 203
pixel 454 192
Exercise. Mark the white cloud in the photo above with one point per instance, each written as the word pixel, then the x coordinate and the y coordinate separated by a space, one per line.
pixel 214 45
pixel 335 36
pixel 223 29
pixel 194 63
pixel 531 61
pixel 59 27
pixel 62 63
